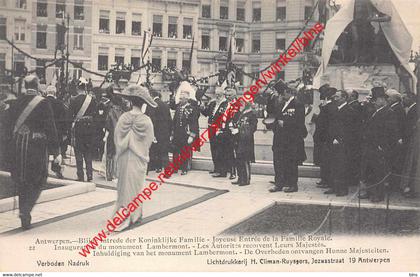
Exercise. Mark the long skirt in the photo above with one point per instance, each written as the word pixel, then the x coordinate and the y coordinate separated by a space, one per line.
pixel 410 179
pixel 131 173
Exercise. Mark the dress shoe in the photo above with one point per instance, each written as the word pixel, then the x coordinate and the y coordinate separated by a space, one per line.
pixel 80 179
pixel 330 191
pixel 323 186
pixel 218 175
pixel 212 172
pixel 235 183
pixel 184 172
pixel 275 189
pixel 340 194
pixel 244 184
pixel 232 176
pixel 290 189
pixel 320 183
pixel 158 170
pixel 26 222
pixel 272 182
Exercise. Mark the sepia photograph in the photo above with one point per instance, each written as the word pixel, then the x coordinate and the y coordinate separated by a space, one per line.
pixel 209 136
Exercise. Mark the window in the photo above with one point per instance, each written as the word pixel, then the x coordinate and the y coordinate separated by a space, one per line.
pixel 40 71
pixel 2 64
pixel 280 75
pixel 77 72
pixel 104 22
pixel 187 28
pixel 240 11
pixel 21 4
pixel 41 37
pixel 222 43
pixel 19 64
pixel 256 47
pixel 205 42
pixel 186 65
pixel 281 10
pixel 41 9
pixel 206 11
pixel 239 76
pixel 156 61
pixel 256 11
pixel 157 25
pixel 171 62
pixel 120 23
pixel 3 29
pixel 60 10
pixel 280 42
pixel 240 45
pixel 224 12
pixel 103 58
pixel 136 25
pixel 20 29
pixel 79 13
pixel 135 58
pixel 308 12
pixel 60 36
pixel 78 38
pixel 172 27
pixel 119 56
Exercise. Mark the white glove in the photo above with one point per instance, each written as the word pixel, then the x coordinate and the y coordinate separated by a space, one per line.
pixel 190 140
pixel 281 122
pixel 154 140
pixel 335 142
pixel 234 131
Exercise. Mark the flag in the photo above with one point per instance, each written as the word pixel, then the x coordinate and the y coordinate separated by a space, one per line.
pixel 191 54
pixel 147 41
pixel 232 47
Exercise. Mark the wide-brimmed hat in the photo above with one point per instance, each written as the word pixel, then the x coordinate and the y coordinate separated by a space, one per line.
pixel 280 86
pixel 140 92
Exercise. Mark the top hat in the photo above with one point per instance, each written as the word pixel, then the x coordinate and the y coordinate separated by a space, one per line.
pixel 378 92
pixel 280 86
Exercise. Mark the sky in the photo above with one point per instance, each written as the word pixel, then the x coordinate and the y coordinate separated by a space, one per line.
pixel 410 13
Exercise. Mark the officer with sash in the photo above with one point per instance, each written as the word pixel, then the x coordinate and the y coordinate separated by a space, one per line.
pixel 84 112
pixel 33 137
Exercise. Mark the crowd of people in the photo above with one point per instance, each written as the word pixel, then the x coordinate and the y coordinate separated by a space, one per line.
pixel 367 144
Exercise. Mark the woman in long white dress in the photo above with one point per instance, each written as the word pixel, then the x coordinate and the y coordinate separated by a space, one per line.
pixel 133 137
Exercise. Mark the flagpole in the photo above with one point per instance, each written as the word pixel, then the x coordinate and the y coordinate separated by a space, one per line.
pixel 67 52
pixel 191 54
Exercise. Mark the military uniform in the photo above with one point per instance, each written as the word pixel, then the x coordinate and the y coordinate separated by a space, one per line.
pixel 398 151
pixel 184 125
pixel 31 144
pixel 84 134
pixel 245 125
pixel 213 111
pixel 162 121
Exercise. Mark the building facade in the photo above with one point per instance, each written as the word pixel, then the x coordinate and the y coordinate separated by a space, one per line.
pixel 50 39
pixel 118 31
pixel 263 29
pixel 15 25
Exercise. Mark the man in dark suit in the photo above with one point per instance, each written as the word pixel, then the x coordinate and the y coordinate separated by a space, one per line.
pixel 322 134
pixel 84 113
pixel 289 129
pixel 355 121
pixel 162 121
pixel 341 148
pixel 397 158
pixel 213 111
pixel 224 140
pixel 409 183
pixel 184 127
pixel 33 137
pixel 378 139
pixel 60 119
